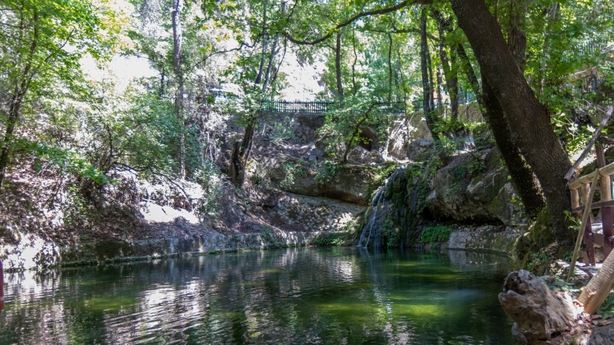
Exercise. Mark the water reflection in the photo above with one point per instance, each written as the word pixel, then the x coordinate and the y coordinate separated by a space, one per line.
pixel 1 288
pixel 293 296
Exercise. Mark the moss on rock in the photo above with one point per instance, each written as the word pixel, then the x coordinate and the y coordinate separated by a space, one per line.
pixel 539 236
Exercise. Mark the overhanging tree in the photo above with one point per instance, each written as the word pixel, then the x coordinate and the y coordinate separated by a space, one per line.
pixel 527 117
pixel 42 42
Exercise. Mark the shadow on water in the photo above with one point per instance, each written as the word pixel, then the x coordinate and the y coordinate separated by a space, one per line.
pixel 290 296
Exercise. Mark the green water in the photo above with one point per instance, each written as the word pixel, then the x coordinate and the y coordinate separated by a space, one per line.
pixel 293 296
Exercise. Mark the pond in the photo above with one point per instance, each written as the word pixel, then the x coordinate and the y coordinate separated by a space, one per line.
pixel 287 296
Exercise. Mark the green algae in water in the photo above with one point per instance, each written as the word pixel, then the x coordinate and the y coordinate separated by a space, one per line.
pixel 288 296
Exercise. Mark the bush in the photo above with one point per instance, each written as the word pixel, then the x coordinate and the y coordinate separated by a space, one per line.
pixel 327 172
pixel 435 234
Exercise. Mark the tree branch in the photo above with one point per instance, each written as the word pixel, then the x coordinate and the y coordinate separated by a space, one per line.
pixel 596 135
pixel 353 19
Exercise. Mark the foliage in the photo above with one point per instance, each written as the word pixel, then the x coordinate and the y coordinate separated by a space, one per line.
pixel 67 161
pixel 269 238
pixel 538 263
pixel 327 172
pixel 292 171
pixel 381 172
pixel 607 308
pixel 47 40
pixel 344 125
pixel 390 233
pixel 435 234
pixel 283 131
pixel 210 180
pixel 329 239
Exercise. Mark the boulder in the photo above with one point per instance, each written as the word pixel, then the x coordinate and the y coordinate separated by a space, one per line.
pixel 539 313
pixel 473 189
pixel 360 155
pixel 350 183
pixel 417 148
pixel 450 199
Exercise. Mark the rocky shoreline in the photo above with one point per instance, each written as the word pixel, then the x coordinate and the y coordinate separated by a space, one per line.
pixel 33 253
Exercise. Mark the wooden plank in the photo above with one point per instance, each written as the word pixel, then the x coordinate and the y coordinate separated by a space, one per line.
pixel 581 181
pixel 594 206
pixel 575 199
pixel 605 171
pixel 585 217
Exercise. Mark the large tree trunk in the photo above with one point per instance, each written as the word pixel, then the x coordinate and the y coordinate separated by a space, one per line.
pixel 523 179
pixel 528 118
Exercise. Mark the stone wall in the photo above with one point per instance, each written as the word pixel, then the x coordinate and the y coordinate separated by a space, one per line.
pixel 34 253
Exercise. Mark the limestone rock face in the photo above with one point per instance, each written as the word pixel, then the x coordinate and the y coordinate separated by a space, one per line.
pixel 349 183
pixel 403 135
pixel 360 155
pixel 417 148
pixel 471 188
pixel 506 206
pixel 312 214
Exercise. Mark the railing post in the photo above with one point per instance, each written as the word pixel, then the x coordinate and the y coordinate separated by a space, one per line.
pixel 605 185
pixel 588 229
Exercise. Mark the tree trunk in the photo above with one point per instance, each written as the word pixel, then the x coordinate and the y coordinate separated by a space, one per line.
pixel 450 72
pixel 178 70
pixel 523 178
pixel 264 44
pixel 354 84
pixel 516 38
pixel 338 66
pixel 427 80
pixel 471 76
pixel 389 69
pixel 528 118
pixel 599 288
pixel 242 150
pixel 6 144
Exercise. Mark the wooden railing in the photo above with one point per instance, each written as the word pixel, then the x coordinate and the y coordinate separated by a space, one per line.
pixel 582 191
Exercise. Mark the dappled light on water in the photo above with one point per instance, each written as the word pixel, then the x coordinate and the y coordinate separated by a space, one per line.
pixel 293 296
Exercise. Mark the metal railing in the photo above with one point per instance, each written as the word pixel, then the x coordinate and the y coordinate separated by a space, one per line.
pixel 313 107
pixel 297 107
pixel 321 107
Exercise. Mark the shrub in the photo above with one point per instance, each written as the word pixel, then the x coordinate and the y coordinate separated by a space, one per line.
pixel 434 234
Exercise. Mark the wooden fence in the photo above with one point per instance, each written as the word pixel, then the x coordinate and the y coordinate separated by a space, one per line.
pixel 582 190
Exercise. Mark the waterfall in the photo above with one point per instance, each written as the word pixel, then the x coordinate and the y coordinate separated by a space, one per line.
pixel 377 213
pixel 369 225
